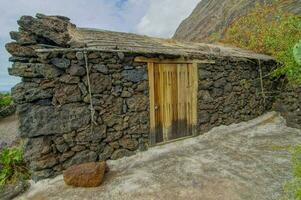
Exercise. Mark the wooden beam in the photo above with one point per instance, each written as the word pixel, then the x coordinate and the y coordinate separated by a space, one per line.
pixel 171 61
pixel 152 111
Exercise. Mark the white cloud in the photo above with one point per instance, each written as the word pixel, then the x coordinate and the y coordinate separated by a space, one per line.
pixel 164 16
pixel 118 15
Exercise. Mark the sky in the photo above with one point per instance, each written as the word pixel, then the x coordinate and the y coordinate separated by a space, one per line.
pixel 158 18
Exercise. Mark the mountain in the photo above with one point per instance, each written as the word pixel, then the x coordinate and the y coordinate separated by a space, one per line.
pixel 210 18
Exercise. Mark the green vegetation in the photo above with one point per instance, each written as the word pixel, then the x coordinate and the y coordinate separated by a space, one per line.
pixel 269 30
pixel 292 190
pixel 12 166
pixel 297 52
pixel 5 99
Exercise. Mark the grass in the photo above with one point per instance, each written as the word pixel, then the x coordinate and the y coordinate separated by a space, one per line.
pixel 5 99
pixel 12 166
pixel 292 189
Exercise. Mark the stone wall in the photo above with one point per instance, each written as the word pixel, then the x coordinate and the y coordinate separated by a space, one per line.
pixel 230 91
pixel 55 116
pixel 53 101
pixel 288 103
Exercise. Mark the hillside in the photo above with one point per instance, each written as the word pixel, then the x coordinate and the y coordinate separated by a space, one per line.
pixel 210 18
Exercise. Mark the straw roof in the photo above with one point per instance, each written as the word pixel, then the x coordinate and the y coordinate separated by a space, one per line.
pixel 102 40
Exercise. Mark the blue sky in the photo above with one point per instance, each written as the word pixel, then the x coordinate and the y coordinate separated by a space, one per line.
pixel 150 17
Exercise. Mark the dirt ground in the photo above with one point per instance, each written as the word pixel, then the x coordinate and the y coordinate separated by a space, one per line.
pixel 8 129
pixel 246 161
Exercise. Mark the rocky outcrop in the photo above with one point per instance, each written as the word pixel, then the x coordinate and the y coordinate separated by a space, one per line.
pixel 211 17
pixel 85 175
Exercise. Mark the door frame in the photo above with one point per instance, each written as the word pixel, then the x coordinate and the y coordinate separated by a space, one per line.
pixel 150 65
pixel 152 109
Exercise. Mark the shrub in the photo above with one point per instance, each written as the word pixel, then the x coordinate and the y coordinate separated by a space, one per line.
pixel 268 29
pixel 5 99
pixel 12 166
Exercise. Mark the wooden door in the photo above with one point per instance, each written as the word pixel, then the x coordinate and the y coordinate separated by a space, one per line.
pixel 173 101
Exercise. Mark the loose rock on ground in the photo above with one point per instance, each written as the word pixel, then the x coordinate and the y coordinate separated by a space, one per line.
pixel 85 175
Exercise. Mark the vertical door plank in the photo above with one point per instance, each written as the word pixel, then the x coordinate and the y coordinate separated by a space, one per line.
pixel 188 100
pixel 194 97
pixel 151 82
pixel 162 99
pixel 167 100
pixel 181 100
pixel 174 102
pixel 158 106
pixel 167 95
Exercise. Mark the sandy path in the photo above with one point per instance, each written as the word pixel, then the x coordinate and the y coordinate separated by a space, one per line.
pixel 8 129
pixel 246 161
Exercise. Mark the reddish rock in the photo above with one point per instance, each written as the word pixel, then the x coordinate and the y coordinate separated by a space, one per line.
pixel 85 175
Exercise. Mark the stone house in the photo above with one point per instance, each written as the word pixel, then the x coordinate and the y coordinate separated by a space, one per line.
pixel 89 95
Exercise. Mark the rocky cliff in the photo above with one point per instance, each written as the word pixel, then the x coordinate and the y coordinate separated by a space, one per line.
pixel 211 17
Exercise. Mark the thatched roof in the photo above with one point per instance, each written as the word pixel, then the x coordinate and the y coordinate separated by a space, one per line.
pixel 102 40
